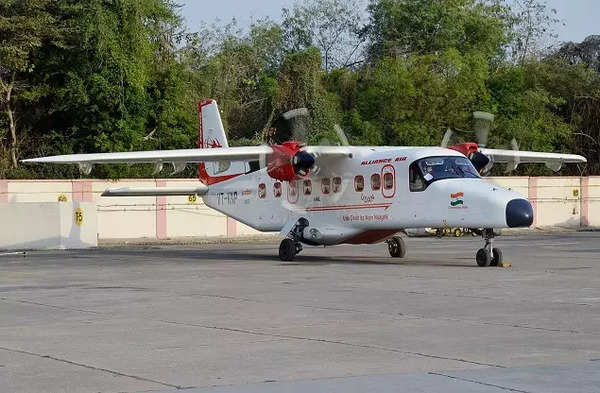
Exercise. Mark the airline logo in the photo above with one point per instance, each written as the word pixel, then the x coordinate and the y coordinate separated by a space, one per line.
pixel 457 200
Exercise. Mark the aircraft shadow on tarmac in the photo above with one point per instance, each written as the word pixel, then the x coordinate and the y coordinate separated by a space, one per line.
pixel 236 255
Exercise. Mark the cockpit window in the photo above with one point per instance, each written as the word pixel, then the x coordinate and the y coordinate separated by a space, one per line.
pixel 427 170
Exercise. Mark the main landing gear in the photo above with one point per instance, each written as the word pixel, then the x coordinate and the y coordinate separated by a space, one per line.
pixel 396 247
pixel 290 246
pixel 288 249
pixel 488 256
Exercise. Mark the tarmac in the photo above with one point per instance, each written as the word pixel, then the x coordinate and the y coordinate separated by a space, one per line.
pixel 233 318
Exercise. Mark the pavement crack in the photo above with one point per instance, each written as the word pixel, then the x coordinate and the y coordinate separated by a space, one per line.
pixel 337 342
pixel 505 388
pixel 90 367
pixel 51 306
pixel 404 316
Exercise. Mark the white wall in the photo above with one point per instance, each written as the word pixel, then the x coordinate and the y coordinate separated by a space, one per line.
pixel 48 225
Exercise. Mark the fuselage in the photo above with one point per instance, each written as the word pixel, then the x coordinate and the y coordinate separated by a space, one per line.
pixel 376 192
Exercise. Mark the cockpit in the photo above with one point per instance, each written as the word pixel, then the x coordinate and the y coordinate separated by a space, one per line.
pixel 425 171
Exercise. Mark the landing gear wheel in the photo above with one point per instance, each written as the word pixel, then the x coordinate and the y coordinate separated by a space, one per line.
pixel 396 247
pixel 496 257
pixel 287 250
pixel 483 257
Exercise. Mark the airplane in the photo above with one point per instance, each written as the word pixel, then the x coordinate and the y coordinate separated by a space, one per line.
pixel 330 195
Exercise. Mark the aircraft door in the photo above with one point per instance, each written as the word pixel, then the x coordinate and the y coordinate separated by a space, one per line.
pixel 388 178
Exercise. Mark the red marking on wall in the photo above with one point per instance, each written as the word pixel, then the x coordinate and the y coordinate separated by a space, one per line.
pixel 231 227
pixel 82 191
pixel 585 202
pixel 161 212
pixel 533 198
pixel 3 191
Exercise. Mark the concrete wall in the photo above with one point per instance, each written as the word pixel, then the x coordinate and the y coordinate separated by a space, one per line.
pixel 557 201
pixel 48 225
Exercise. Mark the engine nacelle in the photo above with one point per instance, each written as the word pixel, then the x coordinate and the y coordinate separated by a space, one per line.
pixel 288 162
pixel 480 161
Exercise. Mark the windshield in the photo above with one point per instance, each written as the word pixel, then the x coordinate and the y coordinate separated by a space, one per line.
pixel 427 170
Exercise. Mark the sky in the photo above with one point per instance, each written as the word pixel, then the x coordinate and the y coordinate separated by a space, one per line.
pixel 580 16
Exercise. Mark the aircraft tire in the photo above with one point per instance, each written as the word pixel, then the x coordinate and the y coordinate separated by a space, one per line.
pixel 287 250
pixel 483 257
pixel 396 247
pixel 497 257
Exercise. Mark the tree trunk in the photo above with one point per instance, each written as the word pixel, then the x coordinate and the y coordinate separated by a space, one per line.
pixel 12 122
pixel 13 135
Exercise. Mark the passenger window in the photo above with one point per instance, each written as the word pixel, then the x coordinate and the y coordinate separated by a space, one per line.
pixel 277 190
pixel 307 187
pixel 375 182
pixel 337 184
pixel 359 183
pixel 325 186
pixel 262 190
pixel 388 181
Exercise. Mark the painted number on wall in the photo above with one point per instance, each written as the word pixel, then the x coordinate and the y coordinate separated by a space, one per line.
pixel 79 216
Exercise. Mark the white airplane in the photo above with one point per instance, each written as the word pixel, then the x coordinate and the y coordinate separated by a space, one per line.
pixel 329 195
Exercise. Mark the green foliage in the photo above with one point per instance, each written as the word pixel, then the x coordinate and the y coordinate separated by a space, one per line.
pixel 401 28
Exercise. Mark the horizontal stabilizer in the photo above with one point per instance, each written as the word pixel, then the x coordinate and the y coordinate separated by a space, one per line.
pixel 154 191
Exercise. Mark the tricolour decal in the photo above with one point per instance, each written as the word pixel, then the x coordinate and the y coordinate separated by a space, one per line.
pixel 457 200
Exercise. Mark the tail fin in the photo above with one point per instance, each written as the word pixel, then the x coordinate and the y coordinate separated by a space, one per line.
pixel 211 135
pixel 210 131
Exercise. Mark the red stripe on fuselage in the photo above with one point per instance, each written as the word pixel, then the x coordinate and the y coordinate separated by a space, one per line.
pixel 349 207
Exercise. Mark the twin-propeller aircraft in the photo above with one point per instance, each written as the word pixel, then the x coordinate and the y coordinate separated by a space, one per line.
pixel 329 195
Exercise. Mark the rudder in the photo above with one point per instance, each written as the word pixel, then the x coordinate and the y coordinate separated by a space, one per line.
pixel 211 135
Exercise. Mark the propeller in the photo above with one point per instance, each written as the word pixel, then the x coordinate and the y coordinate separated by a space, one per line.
pixel 511 166
pixel 482 124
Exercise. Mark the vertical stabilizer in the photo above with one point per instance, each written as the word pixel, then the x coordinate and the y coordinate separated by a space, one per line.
pixel 211 135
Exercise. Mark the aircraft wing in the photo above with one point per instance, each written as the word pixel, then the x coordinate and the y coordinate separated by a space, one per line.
pixel 513 158
pixel 179 158
pixel 248 153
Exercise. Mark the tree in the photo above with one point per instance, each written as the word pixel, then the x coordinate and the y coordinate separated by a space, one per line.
pixel 532 28
pixel 108 83
pixel 25 27
pixel 333 26
pixel 428 27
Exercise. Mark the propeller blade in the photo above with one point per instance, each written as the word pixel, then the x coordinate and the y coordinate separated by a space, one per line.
pixel 298 124
pixel 341 134
pixel 511 166
pixel 446 138
pixel 482 124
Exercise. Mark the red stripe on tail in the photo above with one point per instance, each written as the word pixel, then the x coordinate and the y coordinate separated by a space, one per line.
pixel 202 173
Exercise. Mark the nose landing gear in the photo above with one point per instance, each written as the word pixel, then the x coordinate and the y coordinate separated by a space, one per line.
pixel 396 247
pixel 488 255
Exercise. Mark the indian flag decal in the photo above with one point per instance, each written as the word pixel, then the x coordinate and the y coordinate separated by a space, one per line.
pixel 457 199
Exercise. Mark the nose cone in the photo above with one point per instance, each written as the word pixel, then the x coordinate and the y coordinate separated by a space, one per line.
pixel 519 213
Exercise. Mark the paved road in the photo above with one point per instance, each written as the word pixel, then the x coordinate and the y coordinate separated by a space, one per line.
pixel 236 319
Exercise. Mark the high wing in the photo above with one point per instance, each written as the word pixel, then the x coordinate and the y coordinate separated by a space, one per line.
pixel 182 157
pixel 513 158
